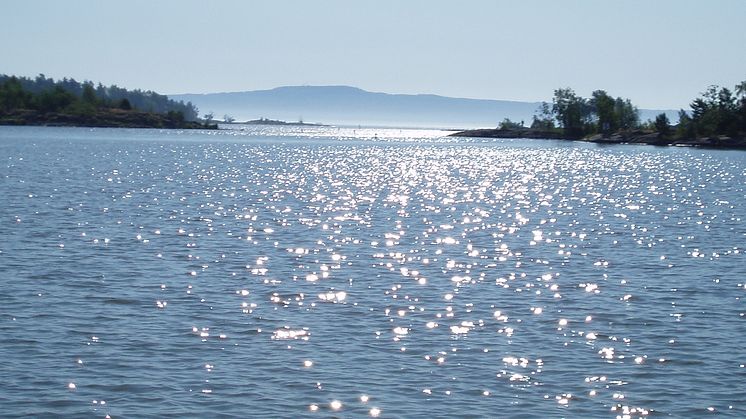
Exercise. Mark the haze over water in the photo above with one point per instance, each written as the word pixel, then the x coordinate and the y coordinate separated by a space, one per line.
pixel 316 272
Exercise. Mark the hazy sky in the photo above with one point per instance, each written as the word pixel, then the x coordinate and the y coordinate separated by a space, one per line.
pixel 659 53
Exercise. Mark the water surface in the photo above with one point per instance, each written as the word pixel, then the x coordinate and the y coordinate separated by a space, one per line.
pixel 316 272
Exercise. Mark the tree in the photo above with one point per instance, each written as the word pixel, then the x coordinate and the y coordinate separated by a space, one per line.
pixel 507 124
pixel 125 104
pixel 662 125
pixel 228 119
pixel 209 116
pixel 191 112
pixel 571 111
pixel 602 106
pixel 686 128
pixel 719 111
pixel 627 115
pixel 740 89
pixel 13 95
pixel 176 116
pixel 716 112
pixel 699 108
pixel 49 96
pixel 542 124
pixel 54 100
pixel 728 109
pixel 543 118
pixel 89 94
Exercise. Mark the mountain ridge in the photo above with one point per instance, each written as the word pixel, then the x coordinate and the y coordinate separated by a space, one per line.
pixel 349 105
pixel 348 88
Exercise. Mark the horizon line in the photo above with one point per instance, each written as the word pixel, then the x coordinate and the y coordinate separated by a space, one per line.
pixel 385 93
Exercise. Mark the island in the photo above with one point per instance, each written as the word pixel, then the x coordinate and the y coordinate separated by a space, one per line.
pixel 67 102
pixel 265 121
pixel 717 119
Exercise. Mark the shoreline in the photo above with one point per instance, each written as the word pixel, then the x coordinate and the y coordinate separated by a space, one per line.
pixel 113 118
pixel 630 137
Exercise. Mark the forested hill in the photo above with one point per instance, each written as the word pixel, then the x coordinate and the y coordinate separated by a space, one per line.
pixel 48 92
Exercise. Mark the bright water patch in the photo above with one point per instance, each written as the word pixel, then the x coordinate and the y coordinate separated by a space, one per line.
pixel 366 272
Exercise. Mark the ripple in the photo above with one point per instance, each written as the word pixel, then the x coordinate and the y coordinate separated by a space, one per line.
pixel 368 272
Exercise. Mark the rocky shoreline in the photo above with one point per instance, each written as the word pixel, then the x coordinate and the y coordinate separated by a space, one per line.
pixel 108 118
pixel 627 137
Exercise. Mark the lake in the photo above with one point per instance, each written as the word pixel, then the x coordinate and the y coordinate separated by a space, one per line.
pixel 319 271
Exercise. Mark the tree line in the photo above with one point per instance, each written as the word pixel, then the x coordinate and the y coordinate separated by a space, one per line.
pixel 718 111
pixel 47 95
pixel 577 116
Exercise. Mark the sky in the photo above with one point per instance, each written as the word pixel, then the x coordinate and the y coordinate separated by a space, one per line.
pixel 659 53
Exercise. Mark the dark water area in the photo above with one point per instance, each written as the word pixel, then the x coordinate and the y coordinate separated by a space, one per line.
pixel 332 272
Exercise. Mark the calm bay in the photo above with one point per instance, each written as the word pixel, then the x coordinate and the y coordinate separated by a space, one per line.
pixel 322 271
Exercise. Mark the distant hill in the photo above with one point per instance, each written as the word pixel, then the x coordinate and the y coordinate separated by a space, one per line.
pixel 345 105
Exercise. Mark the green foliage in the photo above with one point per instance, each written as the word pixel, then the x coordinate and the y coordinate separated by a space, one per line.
pixel 741 89
pixel 13 95
pixel 603 106
pixel 176 116
pixel 627 115
pixel 578 116
pixel 542 124
pixel 45 95
pixel 54 100
pixel 718 112
pixel 571 111
pixel 662 125
pixel 124 104
pixel 685 128
pixel 147 101
pixel 544 121
pixel 508 124
pixel 89 95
